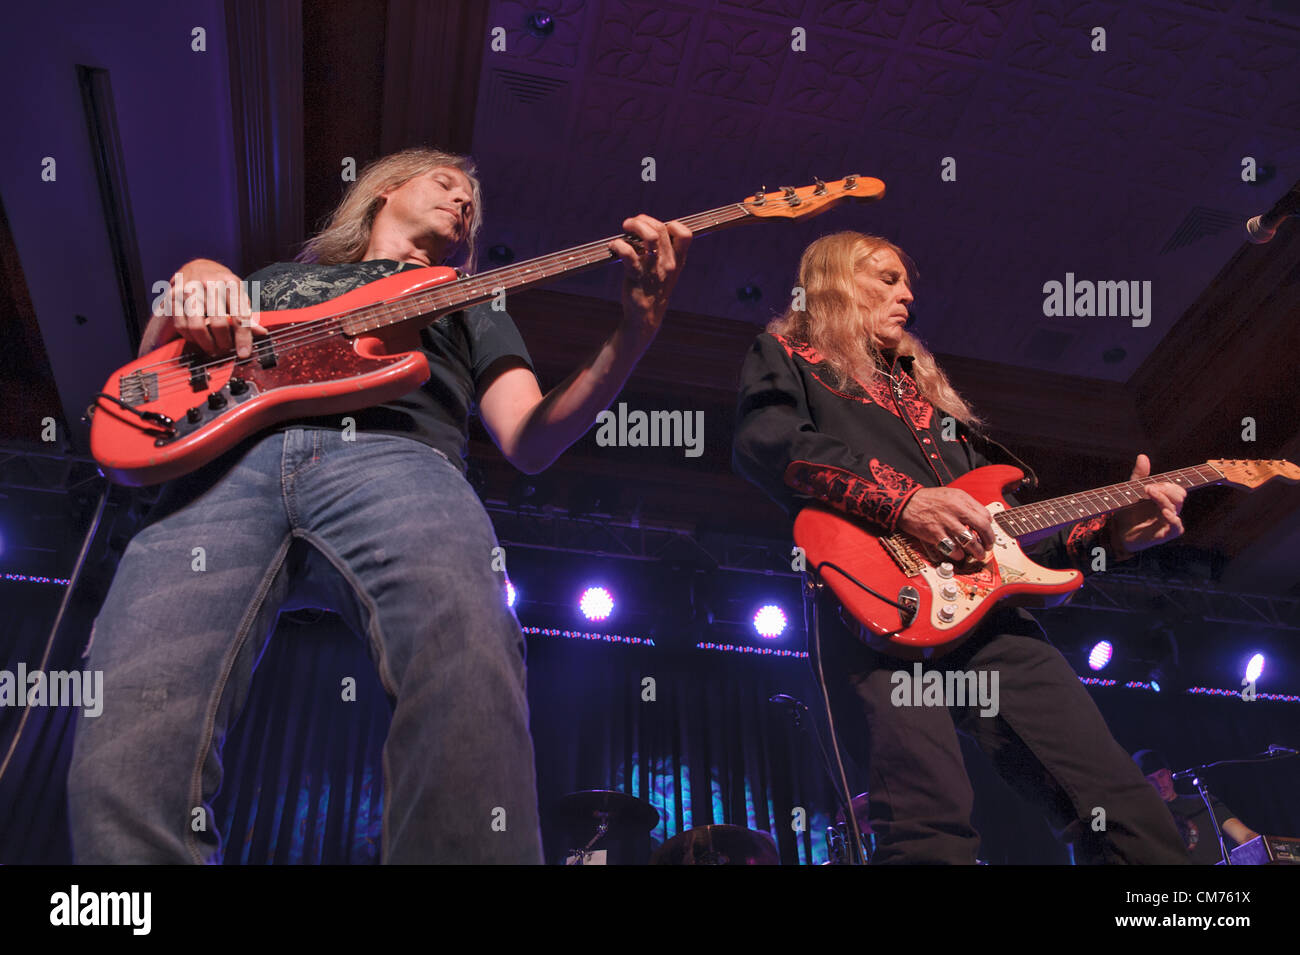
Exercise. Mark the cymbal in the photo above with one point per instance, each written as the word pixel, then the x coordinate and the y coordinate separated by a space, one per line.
pixel 622 811
pixel 718 845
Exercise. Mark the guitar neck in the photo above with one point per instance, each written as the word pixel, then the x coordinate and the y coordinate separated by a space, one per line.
pixel 1063 511
pixel 425 305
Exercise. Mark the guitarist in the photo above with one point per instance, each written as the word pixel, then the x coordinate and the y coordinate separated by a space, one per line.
pixel 839 404
pixel 384 529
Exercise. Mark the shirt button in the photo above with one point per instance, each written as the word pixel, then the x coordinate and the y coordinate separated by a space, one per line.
pixel 925 440
pixel 935 456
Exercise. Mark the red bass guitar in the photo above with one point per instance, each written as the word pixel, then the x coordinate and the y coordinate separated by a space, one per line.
pixel 923 610
pixel 176 409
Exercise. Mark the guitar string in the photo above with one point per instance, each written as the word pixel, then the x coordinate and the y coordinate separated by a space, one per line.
pixel 1042 510
pixel 306 332
pixel 177 375
pixel 1039 510
pixel 700 223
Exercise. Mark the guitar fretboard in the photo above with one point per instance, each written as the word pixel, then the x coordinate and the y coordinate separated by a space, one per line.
pixel 485 286
pixel 1062 511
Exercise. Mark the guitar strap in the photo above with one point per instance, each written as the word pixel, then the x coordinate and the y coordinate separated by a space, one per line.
pixel 1031 476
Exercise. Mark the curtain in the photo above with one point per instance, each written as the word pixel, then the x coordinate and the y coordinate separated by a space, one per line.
pixel 701 744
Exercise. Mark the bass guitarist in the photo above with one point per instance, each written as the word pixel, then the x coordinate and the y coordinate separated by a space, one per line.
pixel 373 518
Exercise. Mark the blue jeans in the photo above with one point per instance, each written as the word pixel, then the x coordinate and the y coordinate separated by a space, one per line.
pixel 402 549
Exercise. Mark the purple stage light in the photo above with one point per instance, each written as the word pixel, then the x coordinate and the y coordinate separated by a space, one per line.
pixel 1100 655
pixel 511 594
pixel 769 621
pixel 597 603
pixel 1255 667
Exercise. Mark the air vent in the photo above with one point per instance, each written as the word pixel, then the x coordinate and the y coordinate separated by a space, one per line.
pixel 1199 223
pixel 513 87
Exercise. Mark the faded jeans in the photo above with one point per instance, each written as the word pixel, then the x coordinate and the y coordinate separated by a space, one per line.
pixel 402 549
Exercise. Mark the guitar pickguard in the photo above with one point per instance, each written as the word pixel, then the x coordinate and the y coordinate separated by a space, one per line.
pixel 958 596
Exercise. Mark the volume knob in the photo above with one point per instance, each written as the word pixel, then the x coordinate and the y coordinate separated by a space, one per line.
pixel 947 612
pixel 945 570
pixel 948 592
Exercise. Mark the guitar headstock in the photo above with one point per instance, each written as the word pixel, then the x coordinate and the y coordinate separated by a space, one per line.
pixel 795 203
pixel 1251 474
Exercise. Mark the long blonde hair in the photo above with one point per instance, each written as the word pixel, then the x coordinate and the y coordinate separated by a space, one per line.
pixel 346 235
pixel 833 326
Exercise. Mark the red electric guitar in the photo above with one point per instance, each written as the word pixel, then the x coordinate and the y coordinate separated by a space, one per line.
pixel 941 603
pixel 176 409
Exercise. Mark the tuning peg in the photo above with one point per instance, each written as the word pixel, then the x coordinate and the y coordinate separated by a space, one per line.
pixel 821 187
pixel 790 196
pixel 760 197
pixel 850 182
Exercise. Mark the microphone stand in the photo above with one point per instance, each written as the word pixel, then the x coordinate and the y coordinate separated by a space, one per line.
pixel 1268 755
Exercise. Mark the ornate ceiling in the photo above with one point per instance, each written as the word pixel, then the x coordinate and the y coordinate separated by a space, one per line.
pixel 1122 165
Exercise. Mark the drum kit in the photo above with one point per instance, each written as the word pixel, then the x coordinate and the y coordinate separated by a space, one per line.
pixel 839 836
pixel 610 825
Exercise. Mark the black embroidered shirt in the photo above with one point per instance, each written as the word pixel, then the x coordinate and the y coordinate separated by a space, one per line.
pixel 863 449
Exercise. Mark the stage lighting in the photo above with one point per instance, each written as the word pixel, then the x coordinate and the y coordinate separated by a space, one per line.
pixel 1100 655
pixel 511 594
pixel 769 621
pixel 1255 667
pixel 597 603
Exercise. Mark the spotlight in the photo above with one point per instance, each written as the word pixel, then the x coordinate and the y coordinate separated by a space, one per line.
pixel 769 621
pixel 511 594
pixel 1255 667
pixel 596 603
pixel 1100 655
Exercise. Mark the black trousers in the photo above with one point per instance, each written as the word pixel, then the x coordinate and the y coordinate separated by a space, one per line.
pixel 1047 740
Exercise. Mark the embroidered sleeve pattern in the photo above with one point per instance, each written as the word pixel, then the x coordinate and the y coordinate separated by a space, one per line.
pixel 879 502
pixel 1083 537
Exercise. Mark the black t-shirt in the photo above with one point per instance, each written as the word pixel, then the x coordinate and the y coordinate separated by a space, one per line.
pixel 1197 830
pixel 460 347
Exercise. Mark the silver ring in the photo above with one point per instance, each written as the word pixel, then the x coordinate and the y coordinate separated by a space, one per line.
pixel 946 546
pixel 966 537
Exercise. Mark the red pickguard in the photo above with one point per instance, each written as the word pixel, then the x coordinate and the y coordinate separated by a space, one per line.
pixel 334 374
pixel 826 535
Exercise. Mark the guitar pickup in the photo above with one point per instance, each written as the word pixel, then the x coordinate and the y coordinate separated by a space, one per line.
pixel 909 599
pixel 198 377
pixel 265 351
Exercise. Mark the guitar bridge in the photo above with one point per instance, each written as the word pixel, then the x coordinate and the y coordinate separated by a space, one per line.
pixel 138 387
pixel 900 548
